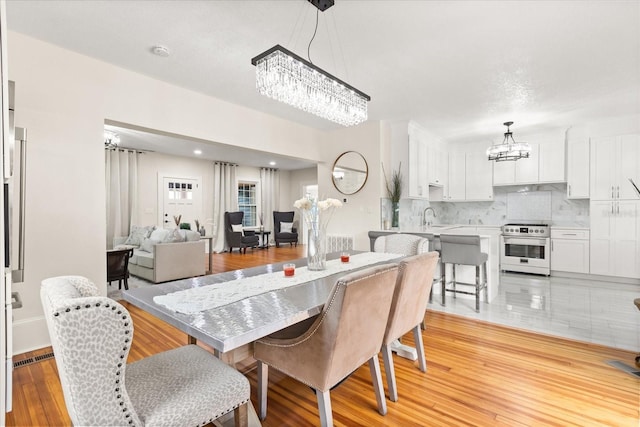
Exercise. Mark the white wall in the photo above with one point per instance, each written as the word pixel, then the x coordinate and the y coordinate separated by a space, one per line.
pixel 361 212
pixel 63 99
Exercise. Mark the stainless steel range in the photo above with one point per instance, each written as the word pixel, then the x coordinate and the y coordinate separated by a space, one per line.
pixel 526 248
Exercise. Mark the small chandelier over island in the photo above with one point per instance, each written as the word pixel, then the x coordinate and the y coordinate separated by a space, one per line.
pixel 509 149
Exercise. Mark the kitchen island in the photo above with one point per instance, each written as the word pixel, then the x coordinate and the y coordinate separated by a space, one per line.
pixel 489 243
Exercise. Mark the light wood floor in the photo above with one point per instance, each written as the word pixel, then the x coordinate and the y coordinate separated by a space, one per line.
pixel 478 374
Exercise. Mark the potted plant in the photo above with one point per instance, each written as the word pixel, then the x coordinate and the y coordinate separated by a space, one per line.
pixel 394 191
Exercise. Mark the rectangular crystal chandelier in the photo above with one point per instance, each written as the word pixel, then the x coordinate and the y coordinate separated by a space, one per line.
pixel 286 77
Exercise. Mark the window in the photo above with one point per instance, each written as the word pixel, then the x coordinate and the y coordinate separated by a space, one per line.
pixel 247 203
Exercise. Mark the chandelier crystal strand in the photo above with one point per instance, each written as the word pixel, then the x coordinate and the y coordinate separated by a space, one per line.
pixel 283 76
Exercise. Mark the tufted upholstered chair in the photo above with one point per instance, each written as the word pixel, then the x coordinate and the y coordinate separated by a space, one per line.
pixel 91 337
pixel 410 299
pixel 345 335
pixel 238 239
pixel 280 236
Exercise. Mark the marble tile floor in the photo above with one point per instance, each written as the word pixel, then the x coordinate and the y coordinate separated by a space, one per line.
pixel 586 310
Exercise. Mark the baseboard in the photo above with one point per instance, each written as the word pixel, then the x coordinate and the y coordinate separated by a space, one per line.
pixel 30 334
pixel 596 277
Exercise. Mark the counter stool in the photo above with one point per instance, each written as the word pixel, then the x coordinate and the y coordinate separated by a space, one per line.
pixel 463 250
pixel 434 246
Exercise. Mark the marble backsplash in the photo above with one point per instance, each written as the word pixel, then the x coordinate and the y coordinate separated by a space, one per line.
pixel 562 211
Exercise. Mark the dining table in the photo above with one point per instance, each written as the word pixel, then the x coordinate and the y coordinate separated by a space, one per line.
pixel 229 311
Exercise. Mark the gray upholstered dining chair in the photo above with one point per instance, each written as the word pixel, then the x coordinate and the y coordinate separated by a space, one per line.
pixel 410 299
pixel 91 337
pixel 459 249
pixel 345 335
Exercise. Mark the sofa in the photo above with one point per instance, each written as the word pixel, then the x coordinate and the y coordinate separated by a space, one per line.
pixel 161 255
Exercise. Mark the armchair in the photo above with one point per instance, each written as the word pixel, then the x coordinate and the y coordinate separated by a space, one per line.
pixel 280 236
pixel 91 337
pixel 238 239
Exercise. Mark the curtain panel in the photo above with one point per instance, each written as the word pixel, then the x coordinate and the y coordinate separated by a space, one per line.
pixel 270 197
pixel 121 170
pixel 225 198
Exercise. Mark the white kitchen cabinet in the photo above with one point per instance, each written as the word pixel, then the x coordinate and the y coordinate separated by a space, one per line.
pixel 438 159
pixel 455 190
pixel 578 154
pixel 470 175
pixel 614 160
pixel 408 152
pixel 551 164
pixel 614 238
pixel 479 176
pixel 522 171
pixel 570 250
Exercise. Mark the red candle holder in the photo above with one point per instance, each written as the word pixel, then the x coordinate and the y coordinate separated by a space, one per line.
pixel 289 270
pixel 344 257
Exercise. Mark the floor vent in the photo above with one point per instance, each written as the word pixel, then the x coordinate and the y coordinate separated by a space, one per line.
pixel 624 367
pixel 30 360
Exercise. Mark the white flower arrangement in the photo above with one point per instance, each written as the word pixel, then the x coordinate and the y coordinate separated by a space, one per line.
pixel 311 208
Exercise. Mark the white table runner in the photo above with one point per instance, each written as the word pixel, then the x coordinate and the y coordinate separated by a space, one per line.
pixel 195 300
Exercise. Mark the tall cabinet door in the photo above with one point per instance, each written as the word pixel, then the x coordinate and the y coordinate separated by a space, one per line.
pixel 457 176
pixel 601 242
pixel 603 155
pixel 479 176
pixel 628 155
pixel 625 241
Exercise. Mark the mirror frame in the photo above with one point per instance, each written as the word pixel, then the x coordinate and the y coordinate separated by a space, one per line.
pixel 366 173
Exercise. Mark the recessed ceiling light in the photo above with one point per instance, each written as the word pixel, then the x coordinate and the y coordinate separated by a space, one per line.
pixel 161 51
pixel 272 163
pixel 198 152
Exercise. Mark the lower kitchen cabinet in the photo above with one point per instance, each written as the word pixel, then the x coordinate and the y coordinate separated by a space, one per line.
pixel 615 238
pixel 570 250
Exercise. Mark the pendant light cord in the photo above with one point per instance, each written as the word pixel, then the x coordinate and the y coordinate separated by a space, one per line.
pixel 314 36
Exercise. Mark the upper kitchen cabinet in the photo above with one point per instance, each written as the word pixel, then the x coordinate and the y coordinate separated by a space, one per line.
pixel 470 175
pixel 546 163
pixel 578 169
pixel 420 155
pixel 615 167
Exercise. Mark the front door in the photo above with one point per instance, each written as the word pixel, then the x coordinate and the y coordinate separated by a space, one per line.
pixel 179 197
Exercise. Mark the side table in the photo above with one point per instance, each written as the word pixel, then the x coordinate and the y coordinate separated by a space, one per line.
pixel 264 238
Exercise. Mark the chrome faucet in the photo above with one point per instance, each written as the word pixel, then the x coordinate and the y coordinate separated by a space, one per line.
pixel 424 216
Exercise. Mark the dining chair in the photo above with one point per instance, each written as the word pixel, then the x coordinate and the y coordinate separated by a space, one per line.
pixel 118 266
pixel 408 245
pixel 409 304
pixel 91 337
pixel 346 334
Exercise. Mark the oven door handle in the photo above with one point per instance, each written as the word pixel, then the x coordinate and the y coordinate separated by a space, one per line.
pixel 527 241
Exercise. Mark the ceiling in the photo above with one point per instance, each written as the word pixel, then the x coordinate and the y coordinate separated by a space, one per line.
pixel 458 68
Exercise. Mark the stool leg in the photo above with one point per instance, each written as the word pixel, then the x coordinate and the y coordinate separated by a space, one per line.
pixel 453 266
pixel 443 281
pixel 486 285
pixel 477 289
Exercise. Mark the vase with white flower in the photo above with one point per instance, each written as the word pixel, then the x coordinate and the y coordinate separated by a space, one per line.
pixel 316 215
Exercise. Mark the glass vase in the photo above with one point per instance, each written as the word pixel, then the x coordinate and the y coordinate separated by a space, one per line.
pixel 395 214
pixel 316 249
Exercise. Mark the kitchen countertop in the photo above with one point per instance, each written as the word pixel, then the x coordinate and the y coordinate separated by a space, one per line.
pixel 437 229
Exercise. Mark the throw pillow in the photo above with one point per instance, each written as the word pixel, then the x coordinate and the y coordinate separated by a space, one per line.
pixel 148 244
pixel 138 234
pixel 174 236
pixel 236 227
pixel 159 234
pixel 286 227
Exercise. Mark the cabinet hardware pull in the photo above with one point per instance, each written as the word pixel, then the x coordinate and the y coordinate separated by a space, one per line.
pixel 618 192
pixel 569 190
pixel 612 191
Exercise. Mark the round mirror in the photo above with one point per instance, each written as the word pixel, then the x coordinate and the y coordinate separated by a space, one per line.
pixel 350 172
